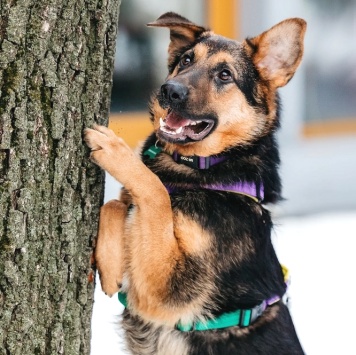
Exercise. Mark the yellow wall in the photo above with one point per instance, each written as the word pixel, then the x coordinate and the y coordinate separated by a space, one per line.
pixel 333 127
pixel 223 17
pixel 133 127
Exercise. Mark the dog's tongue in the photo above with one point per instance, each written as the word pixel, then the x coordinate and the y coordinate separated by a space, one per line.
pixel 175 121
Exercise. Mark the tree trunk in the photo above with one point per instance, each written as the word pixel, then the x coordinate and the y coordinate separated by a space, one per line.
pixel 56 66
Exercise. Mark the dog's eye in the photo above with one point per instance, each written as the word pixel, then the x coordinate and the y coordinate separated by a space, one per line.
pixel 186 60
pixel 225 75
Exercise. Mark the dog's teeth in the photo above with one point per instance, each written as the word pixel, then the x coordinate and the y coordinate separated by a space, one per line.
pixel 161 122
pixel 166 129
pixel 192 123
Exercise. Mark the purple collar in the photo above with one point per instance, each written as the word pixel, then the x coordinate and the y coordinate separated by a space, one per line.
pixel 192 161
pixel 198 162
pixel 244 188
pixel 256 192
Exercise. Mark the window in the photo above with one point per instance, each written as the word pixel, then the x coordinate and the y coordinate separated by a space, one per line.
pixel 140 65
pixel 330 66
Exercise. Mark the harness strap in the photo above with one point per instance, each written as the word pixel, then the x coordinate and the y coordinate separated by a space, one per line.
pixel 244 188
pixel 250 189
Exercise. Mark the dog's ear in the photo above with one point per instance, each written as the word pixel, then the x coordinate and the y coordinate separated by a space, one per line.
pixel 278 52
pixel 183 33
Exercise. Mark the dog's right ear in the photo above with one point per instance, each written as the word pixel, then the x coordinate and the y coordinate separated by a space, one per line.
pixel 183 33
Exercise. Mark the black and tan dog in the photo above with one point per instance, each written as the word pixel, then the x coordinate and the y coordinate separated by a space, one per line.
pixel 189 242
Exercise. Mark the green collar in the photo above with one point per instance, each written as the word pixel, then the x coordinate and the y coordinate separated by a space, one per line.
pixel 240 317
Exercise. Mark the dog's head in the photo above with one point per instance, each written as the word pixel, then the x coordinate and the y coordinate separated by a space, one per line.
pixel 221 93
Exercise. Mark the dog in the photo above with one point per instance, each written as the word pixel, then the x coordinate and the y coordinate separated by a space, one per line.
pixel 188 244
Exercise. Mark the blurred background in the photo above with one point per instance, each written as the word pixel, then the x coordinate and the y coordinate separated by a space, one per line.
pixel 316 223
pixel 318 136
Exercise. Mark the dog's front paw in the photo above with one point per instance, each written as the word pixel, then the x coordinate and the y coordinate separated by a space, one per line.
pixel 108 151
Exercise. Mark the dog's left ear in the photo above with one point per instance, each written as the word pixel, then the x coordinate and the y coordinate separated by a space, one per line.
pixel 278 52
pixel 183 33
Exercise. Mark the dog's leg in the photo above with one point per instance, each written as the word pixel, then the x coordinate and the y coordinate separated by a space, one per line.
pixel 110 245
pixel 157 240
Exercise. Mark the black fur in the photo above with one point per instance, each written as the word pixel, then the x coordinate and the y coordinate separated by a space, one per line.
pixel 229 217
pixel 243 266
pixel 258 163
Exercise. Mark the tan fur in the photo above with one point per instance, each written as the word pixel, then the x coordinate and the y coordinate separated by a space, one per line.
pixel 159 112
pixel 182 32
pixel 196 241
pixel 200 51
pixel 280 51
pixel 149 229
pixel 151 272
pixel 228 105
pixel 109 246
pixel 239 123
pixel 147 244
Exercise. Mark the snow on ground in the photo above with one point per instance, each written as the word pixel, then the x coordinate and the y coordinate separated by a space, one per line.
pixel 106 332
pixel 319 252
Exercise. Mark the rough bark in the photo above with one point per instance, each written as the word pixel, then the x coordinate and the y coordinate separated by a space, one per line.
pixel 56 65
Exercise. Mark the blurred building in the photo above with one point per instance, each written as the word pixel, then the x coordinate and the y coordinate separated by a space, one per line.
pixel 318 136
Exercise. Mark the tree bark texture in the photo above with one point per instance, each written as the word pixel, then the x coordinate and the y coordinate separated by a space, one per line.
pixel 56 66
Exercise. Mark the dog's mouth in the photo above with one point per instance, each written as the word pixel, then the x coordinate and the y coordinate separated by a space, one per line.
pixel 178 129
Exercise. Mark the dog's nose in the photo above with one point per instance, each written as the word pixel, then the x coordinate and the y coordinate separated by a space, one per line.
pixel 174 92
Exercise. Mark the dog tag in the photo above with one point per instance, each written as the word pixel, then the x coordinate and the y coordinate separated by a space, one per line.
pixel 152 151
